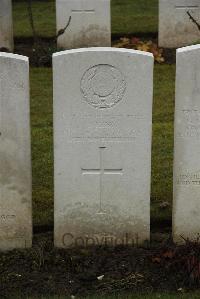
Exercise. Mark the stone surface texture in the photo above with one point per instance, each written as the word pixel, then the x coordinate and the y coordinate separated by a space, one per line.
pixel 6 25
pixel 102 146
pixel 175 27
pixel 90 24
pixel 15 153
pixel 186 206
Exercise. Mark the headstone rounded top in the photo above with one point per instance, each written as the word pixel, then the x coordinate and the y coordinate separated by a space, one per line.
pixel 13 56
pixel 102 50
pixel 103 86
pixel 188 48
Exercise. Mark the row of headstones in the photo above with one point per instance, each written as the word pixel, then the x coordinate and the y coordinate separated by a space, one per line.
pixel 88 23
pixel 102 147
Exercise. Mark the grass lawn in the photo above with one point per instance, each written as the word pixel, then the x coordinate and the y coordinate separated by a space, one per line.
pixel 42 145
pixel 134 16
pixel 44 18
pixel 162 143
pixel 41 113
pixel 128 16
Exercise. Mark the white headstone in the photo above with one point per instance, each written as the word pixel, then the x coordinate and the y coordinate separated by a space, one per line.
pixel 102 135
pixel 176 29
pixel 6 26
pixel 90 24
pixel 186 210
pixel 15 156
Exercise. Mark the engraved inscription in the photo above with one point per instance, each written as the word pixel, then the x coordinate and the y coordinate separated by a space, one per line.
pixel 103 86
pixel 82 10
pixel 189 179
pixel 101 171
pixel 191 124
pixel 187 7
pixel 7 217
pixel 107 126
pixel 192 116
pixel 180 4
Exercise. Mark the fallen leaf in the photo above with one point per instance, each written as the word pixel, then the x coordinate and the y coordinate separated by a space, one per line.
pixel 100 277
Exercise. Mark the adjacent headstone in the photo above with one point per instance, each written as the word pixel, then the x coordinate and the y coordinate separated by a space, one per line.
pixel 176 29
pixel 15 156
pixel 186 209
pixel 6 25
pixel 89 26
pixel 102 143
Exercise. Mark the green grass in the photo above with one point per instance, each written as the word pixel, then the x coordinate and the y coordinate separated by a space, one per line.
pixel 128 16
pixel 134 16
pixel 44 19
pixel 42 143
pixel 162 142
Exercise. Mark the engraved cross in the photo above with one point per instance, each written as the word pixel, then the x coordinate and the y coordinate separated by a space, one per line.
pixel 101 171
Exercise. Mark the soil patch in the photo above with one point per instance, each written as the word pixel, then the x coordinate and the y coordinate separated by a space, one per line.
pixel 45 270
pixel 40 53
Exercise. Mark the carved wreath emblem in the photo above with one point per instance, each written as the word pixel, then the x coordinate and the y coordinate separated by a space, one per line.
pixel 103 86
